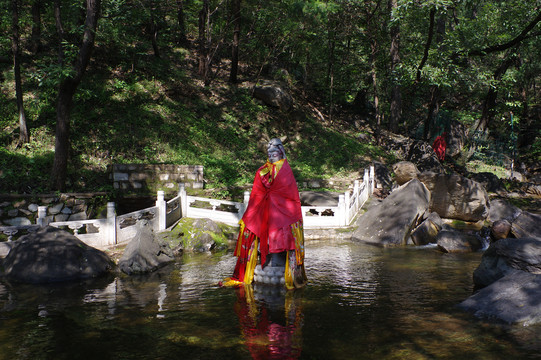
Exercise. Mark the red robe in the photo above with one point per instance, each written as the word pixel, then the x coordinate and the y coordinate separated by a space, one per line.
pixel 440 146
pixel 274 205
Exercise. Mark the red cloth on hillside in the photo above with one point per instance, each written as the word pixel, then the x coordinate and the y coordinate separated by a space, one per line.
pixel 273 206
pixel 440 146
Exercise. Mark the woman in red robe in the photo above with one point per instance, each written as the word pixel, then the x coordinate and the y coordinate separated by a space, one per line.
pixel 440 146
pixel 272 223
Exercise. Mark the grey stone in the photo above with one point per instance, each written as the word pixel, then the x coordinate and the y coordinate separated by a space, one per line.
pixel 13 212
pixel 66 211
pixel 145 253
pixel 426 232
pixel 456 197
pixel 61 217
pixel 55 209
pixel 33 207
pixel 390 222
pixel 121 176
pixel 500 229
pixel 51 255
pixel 501 209
pixel 505 256
pixel 18 221
pixel 514 299
pixel 207 225
pixel 527 225
pixel 405 171
pixel 275 95
pixel 423 156
pixel 5 248
pixel 5 203
pixel 78 216
pixel 451 241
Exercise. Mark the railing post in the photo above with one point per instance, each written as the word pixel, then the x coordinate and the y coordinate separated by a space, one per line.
pixel 42 216
pixel 244 205
pixel 356 188
pixel 161 204
pixel 183 200
pixel 372 179
pixel 111 224
pixel 341 210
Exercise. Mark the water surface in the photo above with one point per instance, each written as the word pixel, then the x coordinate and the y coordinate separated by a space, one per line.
pixel 361 302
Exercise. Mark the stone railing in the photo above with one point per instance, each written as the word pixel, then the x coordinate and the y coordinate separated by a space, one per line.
pixel 115 230
pixel 314 217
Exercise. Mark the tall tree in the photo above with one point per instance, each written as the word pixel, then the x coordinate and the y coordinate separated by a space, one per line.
pixel 396 94
pixel 182 38
pixel 235 10
pixel 35 39
pixel 23 129
pixel 203 40
pixel 67 88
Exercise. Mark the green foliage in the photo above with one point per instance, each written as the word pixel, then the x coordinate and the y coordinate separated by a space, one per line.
pixel 135 107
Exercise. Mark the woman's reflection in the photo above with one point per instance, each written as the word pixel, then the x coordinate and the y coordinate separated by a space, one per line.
pixel 271 320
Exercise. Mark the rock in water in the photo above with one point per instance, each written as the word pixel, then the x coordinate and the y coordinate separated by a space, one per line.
pixel 145 253
pixel 390 222
pixel 52 255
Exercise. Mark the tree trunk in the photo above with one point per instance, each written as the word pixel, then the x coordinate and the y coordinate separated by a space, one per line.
pixel 235 7
pixel 203 41
pixel 427 45
pixel 374 77
pixel 433 109
pixel 67 89
pixel 35 38
pixel 481 126
pixel 182 39
pixel 396 93
pixel 23 129
pixel 154 31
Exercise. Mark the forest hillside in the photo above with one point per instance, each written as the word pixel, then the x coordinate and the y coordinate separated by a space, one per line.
pixel 88 84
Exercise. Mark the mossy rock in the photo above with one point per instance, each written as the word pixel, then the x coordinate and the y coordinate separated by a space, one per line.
pixel 198 235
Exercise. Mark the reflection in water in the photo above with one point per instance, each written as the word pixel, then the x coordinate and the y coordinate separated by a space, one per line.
pixel 360 302
pixel 271 324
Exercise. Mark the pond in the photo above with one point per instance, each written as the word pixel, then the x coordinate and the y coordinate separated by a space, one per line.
pixel 361 302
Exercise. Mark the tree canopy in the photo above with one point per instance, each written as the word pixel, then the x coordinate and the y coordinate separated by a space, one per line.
pixel 404 65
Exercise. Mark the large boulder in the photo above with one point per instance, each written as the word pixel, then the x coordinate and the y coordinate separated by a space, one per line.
pixel 514 299
pixel 456 197
pixel 527 225
pixel 502 210
pixel 456 139
pixel 452 241
pixel 145 252
pixel 507 256
pixel 423 156
pixel 53 255
pixel 274 94
pixel 390 222
pixel 195 235
pixel 427 231
pixel 405 171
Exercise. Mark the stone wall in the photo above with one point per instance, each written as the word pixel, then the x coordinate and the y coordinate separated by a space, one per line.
pixel 147 178
pixel 22 209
